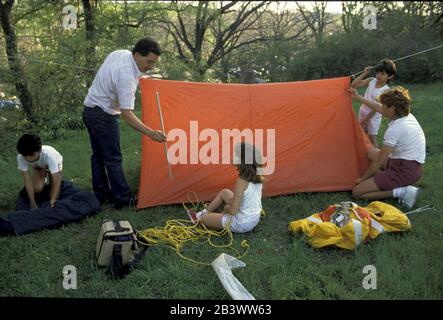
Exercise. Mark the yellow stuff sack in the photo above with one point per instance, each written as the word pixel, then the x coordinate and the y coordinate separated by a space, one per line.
pixel 346 225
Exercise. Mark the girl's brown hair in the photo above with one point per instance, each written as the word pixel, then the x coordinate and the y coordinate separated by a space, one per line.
pixel 248 160
pixel 397 97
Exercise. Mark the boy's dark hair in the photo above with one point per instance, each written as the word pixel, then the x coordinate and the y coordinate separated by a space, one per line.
pixel 145 46
pixel 28 144
pixel 246 170
pixel 397 97
pixel 388 66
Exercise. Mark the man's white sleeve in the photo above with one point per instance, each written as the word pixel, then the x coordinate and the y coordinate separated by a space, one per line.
pixel 126 86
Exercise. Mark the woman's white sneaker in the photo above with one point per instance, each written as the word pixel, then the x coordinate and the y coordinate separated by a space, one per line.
pixel 410 196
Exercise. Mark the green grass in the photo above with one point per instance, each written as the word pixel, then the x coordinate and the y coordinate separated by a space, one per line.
pixel 279 265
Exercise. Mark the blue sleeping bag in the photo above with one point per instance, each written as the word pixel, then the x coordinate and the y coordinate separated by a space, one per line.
pixel 72 205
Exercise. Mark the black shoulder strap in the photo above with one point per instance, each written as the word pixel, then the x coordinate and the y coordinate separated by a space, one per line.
pixel 116 269
pixel 118 227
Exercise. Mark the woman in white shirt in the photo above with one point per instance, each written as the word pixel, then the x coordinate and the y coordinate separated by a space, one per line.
pixel 398 164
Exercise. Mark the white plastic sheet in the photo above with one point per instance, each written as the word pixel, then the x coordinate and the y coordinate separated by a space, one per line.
pixel 223 265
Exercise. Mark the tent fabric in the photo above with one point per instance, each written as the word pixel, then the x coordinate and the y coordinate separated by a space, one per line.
pixel 319 144
pixel 71 206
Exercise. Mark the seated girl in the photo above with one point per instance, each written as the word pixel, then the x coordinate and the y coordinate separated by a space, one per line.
pixel 242 207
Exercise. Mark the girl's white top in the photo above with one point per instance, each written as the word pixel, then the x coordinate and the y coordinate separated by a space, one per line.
pixel 371 94
pixel 250 205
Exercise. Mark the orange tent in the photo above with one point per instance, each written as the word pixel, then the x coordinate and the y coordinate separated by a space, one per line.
pixel 319 145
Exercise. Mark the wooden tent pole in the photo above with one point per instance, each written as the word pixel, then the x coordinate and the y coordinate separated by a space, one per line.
pixel 157 98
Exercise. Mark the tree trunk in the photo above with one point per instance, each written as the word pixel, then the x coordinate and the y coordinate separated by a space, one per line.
pixel 90 40
pixel 189 33
pixel 21 82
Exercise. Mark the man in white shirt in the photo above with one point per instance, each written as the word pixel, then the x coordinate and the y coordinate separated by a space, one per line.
pixel 112 94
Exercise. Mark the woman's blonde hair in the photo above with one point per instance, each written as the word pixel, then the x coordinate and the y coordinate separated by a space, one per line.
pixel 397 97
pixel 248 158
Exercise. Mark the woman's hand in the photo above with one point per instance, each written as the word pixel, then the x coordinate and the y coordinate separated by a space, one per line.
pixel 354 93
pixel 364 125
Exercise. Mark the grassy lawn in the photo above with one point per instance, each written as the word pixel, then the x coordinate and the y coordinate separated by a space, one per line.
pixel 279 265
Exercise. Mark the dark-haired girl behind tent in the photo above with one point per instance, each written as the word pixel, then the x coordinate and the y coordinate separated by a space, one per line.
pixel 369 119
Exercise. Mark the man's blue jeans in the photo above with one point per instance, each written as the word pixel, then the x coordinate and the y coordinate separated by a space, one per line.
pixel 108 178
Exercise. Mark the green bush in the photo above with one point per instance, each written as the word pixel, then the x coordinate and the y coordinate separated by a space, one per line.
pixel 346 54
pixel 13 124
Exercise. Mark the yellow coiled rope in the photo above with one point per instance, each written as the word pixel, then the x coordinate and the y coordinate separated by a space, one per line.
pixel 176 233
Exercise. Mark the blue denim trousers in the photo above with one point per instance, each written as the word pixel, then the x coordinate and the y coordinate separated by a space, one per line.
pixel 108 178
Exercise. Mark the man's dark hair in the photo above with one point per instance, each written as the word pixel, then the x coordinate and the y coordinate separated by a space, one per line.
pixel 145 46
pixel 388 66
pixel 28 144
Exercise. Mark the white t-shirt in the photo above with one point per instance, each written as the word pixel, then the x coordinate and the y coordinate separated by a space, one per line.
pixel 115 83
pixel 250 205
pixel 371 94
pixel 49 159
pixel 408 139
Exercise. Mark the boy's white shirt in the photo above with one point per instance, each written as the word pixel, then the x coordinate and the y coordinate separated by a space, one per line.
pixel 371 94
pixel 115 83
pixel 49 159
pixel 408 139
